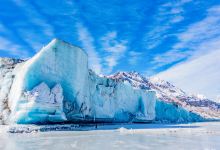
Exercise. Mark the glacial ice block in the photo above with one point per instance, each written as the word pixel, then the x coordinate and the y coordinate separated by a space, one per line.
pixel 119 101
pixel 57 63
pixel 57 86
pixel 41 105
pixel 169 112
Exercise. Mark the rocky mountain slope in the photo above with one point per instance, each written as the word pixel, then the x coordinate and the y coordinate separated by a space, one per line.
pixel 168 93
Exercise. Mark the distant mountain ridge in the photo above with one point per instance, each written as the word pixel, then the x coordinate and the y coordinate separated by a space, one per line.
pixel 170 94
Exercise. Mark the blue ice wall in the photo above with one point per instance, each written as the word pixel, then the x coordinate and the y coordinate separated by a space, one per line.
pixel 86 96
pixel 60 63
pixel 168 112
pixel 57 63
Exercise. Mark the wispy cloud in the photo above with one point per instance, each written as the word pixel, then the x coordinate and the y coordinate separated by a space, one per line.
pixel 8 46
pixel 167 15
pixel 199 73
pixel 199 38
pixel 35 18
pixel 134 57
pixel 169 57
pixel 177 19
pixel 88 44
pixel 12 49
pixel 115 50
pixel 202 31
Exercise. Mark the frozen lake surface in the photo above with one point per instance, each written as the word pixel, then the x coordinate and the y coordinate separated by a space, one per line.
pixel 134 136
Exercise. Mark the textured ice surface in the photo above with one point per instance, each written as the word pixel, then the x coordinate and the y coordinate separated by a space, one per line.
pixel 40 105
pixel 57 63
pixel 57 86
pixel 122 102
pixel 173 104
pixel 7 75
pixel 168 112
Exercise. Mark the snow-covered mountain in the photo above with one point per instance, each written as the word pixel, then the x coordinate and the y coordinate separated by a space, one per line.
pixel 197 75
pixel 168 93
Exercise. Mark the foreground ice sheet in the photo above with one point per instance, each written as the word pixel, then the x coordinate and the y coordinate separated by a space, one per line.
pixel 56 86
pixel 196 136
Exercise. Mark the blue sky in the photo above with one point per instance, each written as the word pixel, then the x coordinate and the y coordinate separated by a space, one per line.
pixel 141 35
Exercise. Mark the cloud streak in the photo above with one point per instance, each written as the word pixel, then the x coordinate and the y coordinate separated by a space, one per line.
pixel 201 71
pixel 88 44
pixel 12 49
pixel 168 14
pixel 134 57
pixel 200 75
pixel 195 40
pixel 114 48
pixel 36 19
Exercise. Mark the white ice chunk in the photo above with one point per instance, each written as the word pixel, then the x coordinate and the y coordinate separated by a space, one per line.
pixel 41 105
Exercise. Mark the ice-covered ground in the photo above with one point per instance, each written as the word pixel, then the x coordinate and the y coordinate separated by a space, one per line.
pixel 130 136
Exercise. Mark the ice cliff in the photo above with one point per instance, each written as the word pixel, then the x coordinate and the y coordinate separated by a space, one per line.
pixel 56 86
pixel 173 104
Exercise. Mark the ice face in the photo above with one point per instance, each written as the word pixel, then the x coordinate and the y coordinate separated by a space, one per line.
pixel 119 101
pixel 171 113
pixel 40 105
pixel 112 101
pixel 56 85
pixel 58 62
pixel 173 104
pixel 7 75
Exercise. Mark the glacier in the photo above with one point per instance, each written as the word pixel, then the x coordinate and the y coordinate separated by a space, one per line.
pixel 173 105
pixel 40 104
pixel 173 113
pixel 56 86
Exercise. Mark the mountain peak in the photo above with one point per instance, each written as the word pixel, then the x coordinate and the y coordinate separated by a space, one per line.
pixel 132 75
